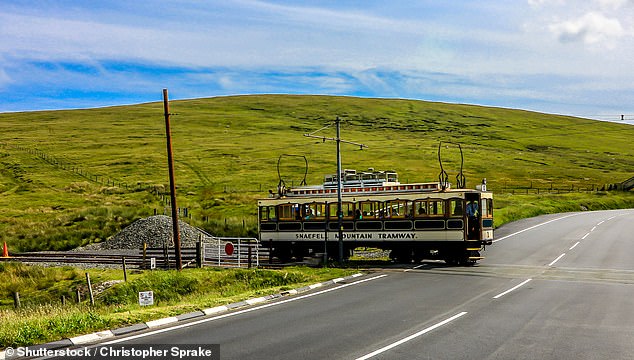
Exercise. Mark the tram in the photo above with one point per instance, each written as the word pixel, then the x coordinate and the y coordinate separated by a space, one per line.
pixel 413 221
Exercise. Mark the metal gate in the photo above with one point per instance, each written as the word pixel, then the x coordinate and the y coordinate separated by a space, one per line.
pixel 231 252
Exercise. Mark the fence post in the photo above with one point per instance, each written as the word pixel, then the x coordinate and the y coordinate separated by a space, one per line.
pixel 239 253
pixel 166 257
pixel 199 255
pixel 145 253
pixel 78 295
pixel 125 272
pixel 16 299
pixel 249 266
pixel 257 253
pixel 92 297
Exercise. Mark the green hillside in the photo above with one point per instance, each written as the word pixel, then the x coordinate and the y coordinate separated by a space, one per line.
pixel 72 177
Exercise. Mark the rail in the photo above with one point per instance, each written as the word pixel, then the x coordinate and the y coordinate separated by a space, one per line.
pixel 246 252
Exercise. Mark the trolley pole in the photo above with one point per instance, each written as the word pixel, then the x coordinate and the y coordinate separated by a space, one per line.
pixel 170 161
pixel 339 181
pixel 339 190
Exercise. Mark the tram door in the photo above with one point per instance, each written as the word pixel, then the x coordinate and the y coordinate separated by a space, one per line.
pixel 474 216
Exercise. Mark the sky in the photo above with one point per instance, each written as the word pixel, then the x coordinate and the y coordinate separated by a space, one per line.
pixel 554 56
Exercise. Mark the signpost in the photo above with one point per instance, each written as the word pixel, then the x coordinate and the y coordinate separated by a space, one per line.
pixel 146 298
pixel 229 248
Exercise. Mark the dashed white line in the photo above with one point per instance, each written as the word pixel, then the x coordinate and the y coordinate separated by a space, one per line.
pixel 585 236
pixel 512 289
pixel 600 222
pixel 415 267
pixel 594 228
pixel 411 337
pixel 557 259
pixel 575 245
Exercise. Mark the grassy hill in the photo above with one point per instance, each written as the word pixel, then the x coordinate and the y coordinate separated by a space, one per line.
pixel 72 177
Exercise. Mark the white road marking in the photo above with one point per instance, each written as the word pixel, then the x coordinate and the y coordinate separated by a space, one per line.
pixel 600 222
pixel 512 289
pixel 411 337
pixel 575 245
pixel 585 236
pixel 557 259
pixel 239 312
pixel 594 228
pixel 534 226
pixel 415 267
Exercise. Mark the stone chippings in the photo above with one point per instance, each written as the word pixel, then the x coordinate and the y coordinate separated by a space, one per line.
pixel 155 231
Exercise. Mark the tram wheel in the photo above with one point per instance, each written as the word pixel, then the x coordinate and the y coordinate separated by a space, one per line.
pixel 284 254
pixel 401 255
pixel 300 253
pixel 418 256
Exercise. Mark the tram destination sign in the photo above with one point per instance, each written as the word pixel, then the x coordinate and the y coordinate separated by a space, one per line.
pixel 411 235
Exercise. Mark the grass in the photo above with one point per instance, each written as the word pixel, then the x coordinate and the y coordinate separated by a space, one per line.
pixel 515 207
pixel 73 177
pixel 44 319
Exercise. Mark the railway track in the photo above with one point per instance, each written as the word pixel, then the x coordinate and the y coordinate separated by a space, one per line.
pixel 135 259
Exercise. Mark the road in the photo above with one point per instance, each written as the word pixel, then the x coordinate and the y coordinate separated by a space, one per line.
pixel 552 287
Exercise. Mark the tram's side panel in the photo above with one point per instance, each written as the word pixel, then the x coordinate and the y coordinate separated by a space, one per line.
pixel 412 226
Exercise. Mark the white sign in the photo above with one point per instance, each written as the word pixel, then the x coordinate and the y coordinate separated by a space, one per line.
pixel 146 298
pixel 152 263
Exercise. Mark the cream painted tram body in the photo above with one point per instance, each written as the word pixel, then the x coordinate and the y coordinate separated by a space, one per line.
pixel 413 221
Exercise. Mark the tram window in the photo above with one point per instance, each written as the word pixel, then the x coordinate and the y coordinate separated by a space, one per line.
pixel 346 207
pixel 268 213
pixel 369 209
pixel 314 211
pixel 399 208
pixel 487 208
pixel 288 211
pixel 435 208
pixel 420 208
pixel 456 207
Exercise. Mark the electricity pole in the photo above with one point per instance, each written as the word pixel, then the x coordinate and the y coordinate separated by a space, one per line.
pixel 338 140
pixel 339 190
pixel 170 161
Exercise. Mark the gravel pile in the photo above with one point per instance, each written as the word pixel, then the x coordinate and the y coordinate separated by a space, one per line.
pixel 156 231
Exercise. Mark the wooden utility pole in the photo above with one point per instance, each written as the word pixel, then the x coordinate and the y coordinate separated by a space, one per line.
pixel 170 160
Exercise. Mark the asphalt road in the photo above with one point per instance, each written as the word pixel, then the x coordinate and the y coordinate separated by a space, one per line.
pixel 553 287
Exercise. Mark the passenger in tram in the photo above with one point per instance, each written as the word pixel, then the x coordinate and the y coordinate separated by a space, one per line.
pixel 421 211
pixel 472 209
pixel 472 219
pixel 358 215
pixel 457 210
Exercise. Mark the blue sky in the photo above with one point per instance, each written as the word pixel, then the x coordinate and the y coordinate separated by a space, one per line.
pixel 554 56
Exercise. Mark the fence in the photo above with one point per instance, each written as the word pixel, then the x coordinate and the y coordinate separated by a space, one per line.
pixel 232 252
pixel 541 187
pixel 216 251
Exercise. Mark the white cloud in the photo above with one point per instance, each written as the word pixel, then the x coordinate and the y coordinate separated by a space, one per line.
pixel 591 28
pixel 612 4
